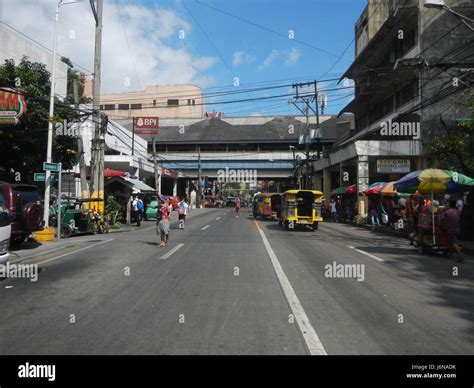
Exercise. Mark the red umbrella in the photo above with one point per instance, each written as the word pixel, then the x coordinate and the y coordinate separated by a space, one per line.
pixel 374 188
pixel 108 173
pixel 352 189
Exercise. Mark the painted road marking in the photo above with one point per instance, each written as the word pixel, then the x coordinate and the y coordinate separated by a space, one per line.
pixel 205 227
pixel 367 254
pixel 77 250
pixel 168 254
pixel 310 336
pixel 218 218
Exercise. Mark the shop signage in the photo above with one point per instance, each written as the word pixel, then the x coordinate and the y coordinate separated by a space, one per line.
pixel 12 106
pixel 387 166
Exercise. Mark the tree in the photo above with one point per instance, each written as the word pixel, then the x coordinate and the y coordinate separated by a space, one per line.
pixel 454 150
pixel 23 147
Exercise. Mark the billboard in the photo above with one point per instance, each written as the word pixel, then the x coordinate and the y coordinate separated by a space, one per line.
pixel 12 106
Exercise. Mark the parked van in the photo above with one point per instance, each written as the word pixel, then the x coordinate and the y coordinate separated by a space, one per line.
pixel 5 230
pixel 24 205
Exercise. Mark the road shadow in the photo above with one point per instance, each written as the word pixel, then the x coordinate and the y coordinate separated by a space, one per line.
pixel 25 245
pixel 151 243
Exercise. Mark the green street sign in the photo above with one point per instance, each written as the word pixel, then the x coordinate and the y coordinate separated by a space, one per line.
pixel 41 177
pixel 50 166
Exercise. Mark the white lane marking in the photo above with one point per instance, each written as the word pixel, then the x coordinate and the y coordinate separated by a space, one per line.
pixel 310 336
pixel 218 218
pixel 168 254
pixel 205 227
pixel 367 254
pixel 8 286
pixel 77 250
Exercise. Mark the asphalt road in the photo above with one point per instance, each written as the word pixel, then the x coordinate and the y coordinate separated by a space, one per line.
pixel 228 285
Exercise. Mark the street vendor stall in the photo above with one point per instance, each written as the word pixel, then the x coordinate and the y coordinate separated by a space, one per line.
pixel 431 224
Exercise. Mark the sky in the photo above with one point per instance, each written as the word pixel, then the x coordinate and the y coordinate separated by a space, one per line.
pixel 221 45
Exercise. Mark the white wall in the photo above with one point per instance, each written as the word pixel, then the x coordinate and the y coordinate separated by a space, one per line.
pixel 15 46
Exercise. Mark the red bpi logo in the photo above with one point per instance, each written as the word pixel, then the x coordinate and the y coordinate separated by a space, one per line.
pixel 146 122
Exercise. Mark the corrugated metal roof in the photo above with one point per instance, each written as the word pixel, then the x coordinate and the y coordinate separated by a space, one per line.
pixel 139 186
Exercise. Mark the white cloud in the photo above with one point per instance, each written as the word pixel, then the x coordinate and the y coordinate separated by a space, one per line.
pixel 292 56
pixel 241 57
pixel 269 60
pixel 159 55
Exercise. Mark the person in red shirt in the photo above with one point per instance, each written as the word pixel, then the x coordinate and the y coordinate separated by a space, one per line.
pixel 237 206
pixel 453 217
pixel 163 223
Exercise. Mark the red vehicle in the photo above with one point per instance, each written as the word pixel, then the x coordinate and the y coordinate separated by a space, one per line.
pixel 174 201
pixel 24 203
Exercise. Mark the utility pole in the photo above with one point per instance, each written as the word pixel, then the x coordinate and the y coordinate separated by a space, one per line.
pixel 80 146
pixel 199 196
pixel 98 142
pixel 155 166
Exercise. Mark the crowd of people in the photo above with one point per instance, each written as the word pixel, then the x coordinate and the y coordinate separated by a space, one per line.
pixel 402 214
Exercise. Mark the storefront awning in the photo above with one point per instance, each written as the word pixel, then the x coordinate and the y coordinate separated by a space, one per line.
pixel 139 186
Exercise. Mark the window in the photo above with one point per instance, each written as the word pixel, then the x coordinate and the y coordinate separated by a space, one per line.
pixel 173 102
pixel 194 102
pixel 189 101
pixel 109 107
pixel 136 106
pixel 124 106
pixel 154 102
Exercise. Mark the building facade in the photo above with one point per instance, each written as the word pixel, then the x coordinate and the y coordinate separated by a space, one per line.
pixel 164 101
pixel 405 59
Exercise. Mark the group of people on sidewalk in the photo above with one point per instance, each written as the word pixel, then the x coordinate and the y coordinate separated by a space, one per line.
pixel 402 214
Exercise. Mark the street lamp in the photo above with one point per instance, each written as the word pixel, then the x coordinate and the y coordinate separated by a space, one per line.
pixel 49 150
pixel 439 4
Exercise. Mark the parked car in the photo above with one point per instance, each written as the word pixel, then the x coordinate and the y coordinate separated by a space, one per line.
pixel 24 204
pixel 5 230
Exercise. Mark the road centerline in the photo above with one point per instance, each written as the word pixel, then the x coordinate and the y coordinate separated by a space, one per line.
pixel 172 251
pixel 205 227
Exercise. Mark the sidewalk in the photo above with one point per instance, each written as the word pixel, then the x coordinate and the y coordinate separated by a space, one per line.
pixel 32 248
pixel 467 246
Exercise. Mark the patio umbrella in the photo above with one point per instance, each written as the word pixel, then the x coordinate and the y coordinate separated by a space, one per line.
pixel 352 189
pixel 389 189
pixel 339 191
pixel 373 188
pixel 434 181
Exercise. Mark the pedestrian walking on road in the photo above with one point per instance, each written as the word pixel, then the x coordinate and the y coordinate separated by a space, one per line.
pixel 183 210
pixel 333 210
pixel 237 206
pixel 453 226
pixel 163 224
pixel 134 208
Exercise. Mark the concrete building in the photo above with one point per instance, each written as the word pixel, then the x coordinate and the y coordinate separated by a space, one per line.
pixel 268 145
pixel 15 45
pixel 163 101
pixel 403 95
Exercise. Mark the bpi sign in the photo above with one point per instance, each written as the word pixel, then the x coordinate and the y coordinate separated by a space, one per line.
pixel 150 123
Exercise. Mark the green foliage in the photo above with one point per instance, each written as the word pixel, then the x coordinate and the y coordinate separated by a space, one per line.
pixel 111 206
pixel 454 150
pixel 23 147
